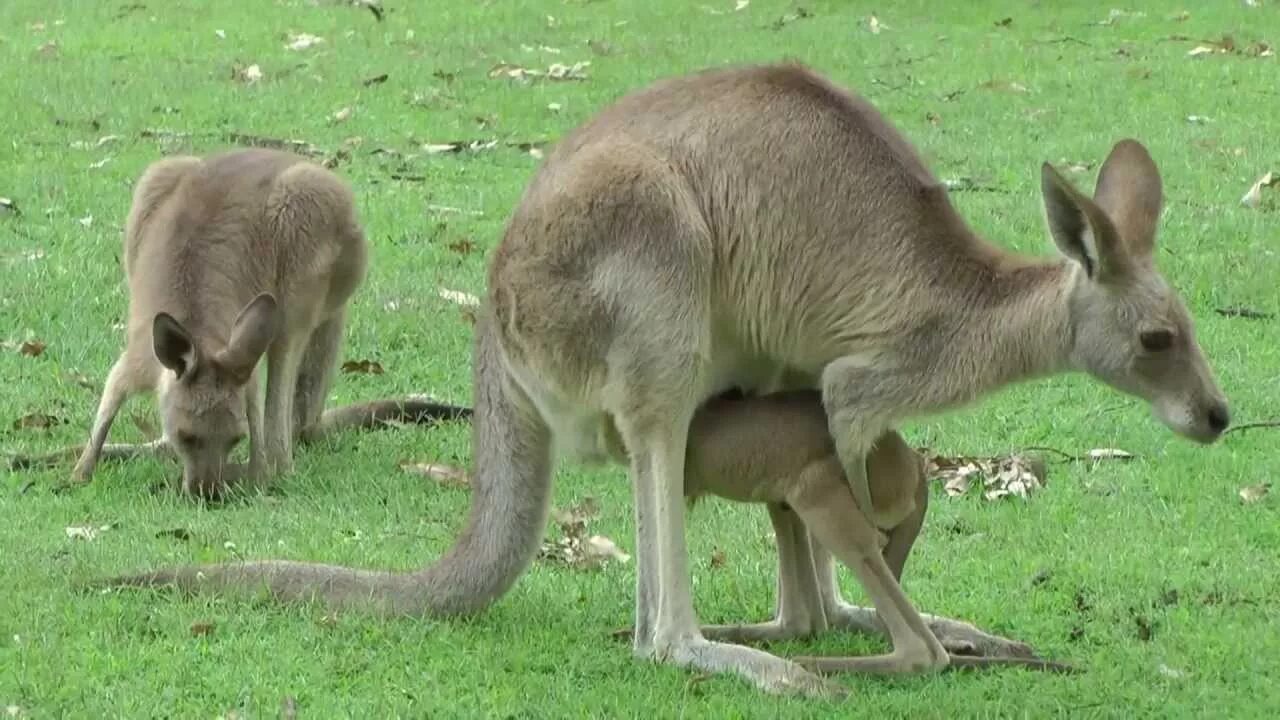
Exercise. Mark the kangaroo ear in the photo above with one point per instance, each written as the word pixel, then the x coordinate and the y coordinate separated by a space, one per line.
pixel 1130 191
pixel 254 330
pixel 173 345
pixel 1080 229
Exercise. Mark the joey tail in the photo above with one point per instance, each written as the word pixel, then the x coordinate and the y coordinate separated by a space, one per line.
pixel 510 497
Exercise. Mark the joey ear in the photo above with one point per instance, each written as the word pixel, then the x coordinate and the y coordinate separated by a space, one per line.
pixel 172 344
pixel 1130 191
pixel 253 332
pixel 1080 229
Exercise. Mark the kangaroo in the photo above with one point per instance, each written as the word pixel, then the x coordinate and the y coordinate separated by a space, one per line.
pixel 243 254
pixel 759 227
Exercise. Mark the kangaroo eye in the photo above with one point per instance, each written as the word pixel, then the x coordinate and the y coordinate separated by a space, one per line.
pixel 1156 340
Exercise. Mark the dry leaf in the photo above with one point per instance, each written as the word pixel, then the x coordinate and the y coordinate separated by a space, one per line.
pixel 1198 119
pixel 8 207
pixel 463 247
pixel 85 532
pixel 342 115
pixel 1253 198
pixel 459 297
pixel 718 559
pixel 37 421
pixel 1013 475
pixel 1004 86
pixel 375 80
pixel 32 348
pixel 873 24
pixel 221 34
pixel 741 5
pixel 576 71
pixel 443 474
pixel 100 164
pixel 600 546
pixel 364 367
pixel 1099 454
pixel 247 75
pixel 200 629
pixel 1199 50
pixel 1254 493
pixel 302 41
pixel 86 221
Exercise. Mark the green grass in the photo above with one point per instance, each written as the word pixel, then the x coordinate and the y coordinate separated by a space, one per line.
pixel 1117 539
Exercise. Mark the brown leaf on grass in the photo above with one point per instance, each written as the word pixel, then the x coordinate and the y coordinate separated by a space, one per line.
pixel 9 207
pixel 463 247
pixel 247 74
pixel 301 147
pixel 48 49
pixel 32 348
pixel 875 26
pixel 375 80
pixel 718 559
pixel 461 298
pixel 575 548
pixel 447 475
pixel 201 629
pixel 341 115
pixel 85 532
pixel 1003 86
pixel 80 380
pixel 933 118
pixel 1254 493
pixel 37 421
pixel 1244 312
pixel 787 19
pixel 600 47
pixel 1260 50
pixel 362 367
pixel 303 41
pixel 556 71
pixel 1004 22
pixel 1012 475
pixel 1254 198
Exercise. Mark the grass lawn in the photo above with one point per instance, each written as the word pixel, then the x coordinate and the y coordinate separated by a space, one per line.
pixel 1152 574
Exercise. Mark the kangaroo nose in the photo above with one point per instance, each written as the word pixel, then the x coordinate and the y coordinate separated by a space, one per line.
pixel 1219 418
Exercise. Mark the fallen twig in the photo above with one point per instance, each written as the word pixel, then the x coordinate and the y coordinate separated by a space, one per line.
pixel 1253 426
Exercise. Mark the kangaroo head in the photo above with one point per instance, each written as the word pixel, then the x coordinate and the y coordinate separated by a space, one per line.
pixel 1130 328
pixel 203 402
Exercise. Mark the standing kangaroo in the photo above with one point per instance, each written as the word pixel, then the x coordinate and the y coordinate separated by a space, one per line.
pixel 246 253
pixel 761 228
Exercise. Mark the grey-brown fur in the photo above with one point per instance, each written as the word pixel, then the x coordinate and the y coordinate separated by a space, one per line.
pixel 762 228
pixel 230 258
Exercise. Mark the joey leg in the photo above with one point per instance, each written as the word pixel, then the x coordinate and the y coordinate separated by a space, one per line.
pixel 799 612
pixel 672 634
pixel 903 536
pixel 829 510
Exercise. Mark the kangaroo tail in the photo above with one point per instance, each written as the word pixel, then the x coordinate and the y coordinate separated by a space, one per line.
pixel 510 498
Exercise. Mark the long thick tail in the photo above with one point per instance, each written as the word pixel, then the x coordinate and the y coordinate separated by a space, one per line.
pixel 510 497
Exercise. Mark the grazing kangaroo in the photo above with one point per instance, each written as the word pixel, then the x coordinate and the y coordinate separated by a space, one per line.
pixel 242 254
pixel 761 228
